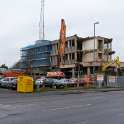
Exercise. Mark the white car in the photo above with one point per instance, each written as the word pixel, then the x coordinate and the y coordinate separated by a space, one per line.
pixel 72 81
pixel 61 83
pixel 39 82
pixel 7 82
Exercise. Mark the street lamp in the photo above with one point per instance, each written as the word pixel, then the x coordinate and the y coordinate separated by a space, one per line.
pixel 96 23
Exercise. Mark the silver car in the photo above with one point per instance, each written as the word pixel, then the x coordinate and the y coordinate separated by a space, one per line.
pixel 7 82
pixel 39 82
pixel 61 83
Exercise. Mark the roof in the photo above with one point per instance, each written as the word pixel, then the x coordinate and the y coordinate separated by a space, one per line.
pixel 98 37
pixel 84 38
pixel 69 38
pixel 38 43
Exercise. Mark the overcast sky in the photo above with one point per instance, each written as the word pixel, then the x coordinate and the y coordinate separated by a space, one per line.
pixel 19 23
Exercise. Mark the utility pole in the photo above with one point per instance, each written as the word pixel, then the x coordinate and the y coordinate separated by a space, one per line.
pixel 42 21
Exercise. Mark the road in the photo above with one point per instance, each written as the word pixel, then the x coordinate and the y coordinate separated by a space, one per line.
pixel 85 108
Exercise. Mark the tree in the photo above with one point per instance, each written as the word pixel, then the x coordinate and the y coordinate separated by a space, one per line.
pixel 4 66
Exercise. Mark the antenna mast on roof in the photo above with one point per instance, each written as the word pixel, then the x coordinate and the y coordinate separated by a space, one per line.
pixel 41 23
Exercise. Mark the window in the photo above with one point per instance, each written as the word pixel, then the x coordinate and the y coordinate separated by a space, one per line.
pixel 51 60
pixel 69 44
pixel 57 46
pixel 73 56
pixel 107 46
pixel 73 43
pixel 70 56
pixel 100 55
pixel 6 79
pixel 66 57
pixel 100 45
pixel 38 49
pixel 79 45
pixel 66 44
pixel 79 57
pixel 24 53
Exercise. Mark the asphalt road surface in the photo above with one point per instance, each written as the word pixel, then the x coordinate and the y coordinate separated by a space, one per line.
pixel 85 108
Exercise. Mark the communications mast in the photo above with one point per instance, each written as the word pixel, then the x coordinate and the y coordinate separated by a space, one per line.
pixel 42 21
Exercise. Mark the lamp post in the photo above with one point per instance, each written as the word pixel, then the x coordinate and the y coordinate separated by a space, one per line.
pixel 94 57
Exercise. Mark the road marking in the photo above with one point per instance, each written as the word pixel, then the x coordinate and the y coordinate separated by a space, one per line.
pixel 89 104
pixel 70 107
pixel 7 107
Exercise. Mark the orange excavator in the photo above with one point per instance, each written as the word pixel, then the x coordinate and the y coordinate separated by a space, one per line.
pixel 62 40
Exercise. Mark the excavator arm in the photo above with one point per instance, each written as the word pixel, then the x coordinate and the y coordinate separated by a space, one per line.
pixel 106 65
pixel 61 49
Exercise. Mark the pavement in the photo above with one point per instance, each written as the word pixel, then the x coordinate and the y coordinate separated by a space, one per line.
pixel 72 108
pixel 80 90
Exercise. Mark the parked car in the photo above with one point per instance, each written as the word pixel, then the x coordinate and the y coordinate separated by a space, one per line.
pixel 7 82
pixel 14 84
pixel 61 83
pixel 72 81
pixel 39 82
pixel 49 82
pixel 0 80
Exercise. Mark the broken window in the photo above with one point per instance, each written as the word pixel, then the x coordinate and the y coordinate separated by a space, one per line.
pixel 57 46
pixel 79 57
pixel 73 56
pixel 100 45
pixel 73 43
pixel 66 44
pixel 70 56
pixel 79 45
pixel 66 57
pixel 69 43
pixel 100 55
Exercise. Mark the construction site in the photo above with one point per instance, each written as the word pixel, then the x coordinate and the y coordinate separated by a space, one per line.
pixel 70 67
pixel 70 54
pixel 75 57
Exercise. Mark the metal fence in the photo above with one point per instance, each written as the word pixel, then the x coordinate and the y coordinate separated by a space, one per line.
pixel 120 81
pixel 110 81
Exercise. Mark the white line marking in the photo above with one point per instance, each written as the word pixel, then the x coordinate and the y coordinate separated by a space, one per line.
pixel 89 104
pixel 70 107
pixel 7 107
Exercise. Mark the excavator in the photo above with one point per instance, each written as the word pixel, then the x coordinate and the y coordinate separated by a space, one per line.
pixel 61 51
pixel 61 48
pixel 108 64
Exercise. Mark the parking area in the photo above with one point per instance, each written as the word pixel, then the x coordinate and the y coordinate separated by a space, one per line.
pixel 88 108
pixel 15 83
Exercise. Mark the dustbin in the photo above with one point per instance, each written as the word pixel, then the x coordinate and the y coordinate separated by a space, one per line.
pixel 25 84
